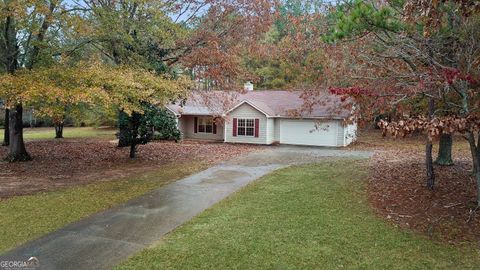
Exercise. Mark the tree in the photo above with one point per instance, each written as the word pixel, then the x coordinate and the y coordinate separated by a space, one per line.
pixel 290 55
pixel 162 123
pixel 150 34
pixel 138 93
pixel 432 14
pixel 28 42
pixel 128 33
pixel 398 61
pixel 218 38
pixel 445 150
pixel 429 148
pixel 51 90
pixel 9 53
pixel 383 40
pixel 142 127
pixel 159 35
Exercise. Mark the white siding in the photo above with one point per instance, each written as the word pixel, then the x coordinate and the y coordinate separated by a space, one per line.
pixel 270 131
pixel 340 134
pixel 277 130
pixel 246 111
pixel 186 125
pixel 305 132
pixel 350 133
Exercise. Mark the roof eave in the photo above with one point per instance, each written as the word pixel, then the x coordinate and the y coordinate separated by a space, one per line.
pixel 252 105
pixel 173 111
pixel 311 117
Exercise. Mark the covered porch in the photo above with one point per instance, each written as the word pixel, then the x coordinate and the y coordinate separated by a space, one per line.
pixel 202 127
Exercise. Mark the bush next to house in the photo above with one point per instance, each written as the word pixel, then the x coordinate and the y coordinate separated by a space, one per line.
pixel 140 128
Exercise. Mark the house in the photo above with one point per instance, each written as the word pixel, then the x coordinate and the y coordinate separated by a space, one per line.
pixel 264 117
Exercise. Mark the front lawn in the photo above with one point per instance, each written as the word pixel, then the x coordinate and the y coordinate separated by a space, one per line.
pixel 28 217
pixel 59 164
pixel 68 132
pixel 305 217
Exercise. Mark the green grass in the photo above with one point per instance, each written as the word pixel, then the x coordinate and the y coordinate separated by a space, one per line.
pixel 306 217
pixel 68 132
pixel 28 217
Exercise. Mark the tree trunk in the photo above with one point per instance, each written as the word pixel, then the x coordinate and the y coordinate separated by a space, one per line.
pixel 10 62
pixel 134 125
pixel 133 149
pixel 428 150
pixel 6 134
pixel 16 149
pixel 124 130
pixel 475 150
pixel 429 164
pixel 59 130
pixel 133 141
pixel 123 136
pixel 445 150
pixel 477 178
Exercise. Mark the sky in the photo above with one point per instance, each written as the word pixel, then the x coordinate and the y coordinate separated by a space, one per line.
pixel 172 15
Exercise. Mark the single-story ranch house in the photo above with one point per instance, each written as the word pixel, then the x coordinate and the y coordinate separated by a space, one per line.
pixel 264 117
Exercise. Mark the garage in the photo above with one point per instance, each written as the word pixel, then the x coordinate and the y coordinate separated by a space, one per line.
pixel 304 132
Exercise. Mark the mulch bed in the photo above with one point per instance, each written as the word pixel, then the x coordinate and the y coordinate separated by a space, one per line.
pixel 68 162
pixel 397 191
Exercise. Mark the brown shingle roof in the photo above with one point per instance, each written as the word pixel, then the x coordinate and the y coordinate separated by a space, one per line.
pixel 273 103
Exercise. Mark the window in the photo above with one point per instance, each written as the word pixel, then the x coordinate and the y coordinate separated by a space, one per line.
pixel 205 125
pixel 246 127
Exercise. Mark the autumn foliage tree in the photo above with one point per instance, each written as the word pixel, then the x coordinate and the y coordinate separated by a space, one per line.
pixel 219 37
pixel 182 36
pixel 28 42
pixel 51 90
pixel 162 37
pixel 290 55
pixel 422 70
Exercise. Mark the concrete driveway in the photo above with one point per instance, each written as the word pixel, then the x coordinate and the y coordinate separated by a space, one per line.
pixel 103 240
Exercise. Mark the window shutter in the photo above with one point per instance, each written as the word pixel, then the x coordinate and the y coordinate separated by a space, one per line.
pixel 234 127
pixel 214 127
pixel 195 124
pixel 257 127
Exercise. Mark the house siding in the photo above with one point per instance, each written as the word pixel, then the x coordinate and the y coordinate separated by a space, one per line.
pixel 350 133
pixel 270 131
pixel 247 111
pixel 186 126
pixel 276 130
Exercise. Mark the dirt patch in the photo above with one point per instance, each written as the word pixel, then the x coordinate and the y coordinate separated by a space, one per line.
pixel 61 163
pixel 397 189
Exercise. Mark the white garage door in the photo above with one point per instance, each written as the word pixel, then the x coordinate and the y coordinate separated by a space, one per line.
pixel 304 132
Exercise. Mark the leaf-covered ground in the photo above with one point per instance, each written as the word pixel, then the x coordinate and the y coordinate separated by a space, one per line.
pixel 397 188
pixel 70 162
